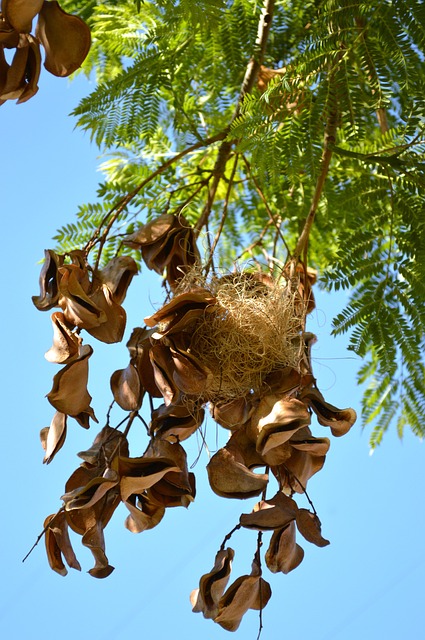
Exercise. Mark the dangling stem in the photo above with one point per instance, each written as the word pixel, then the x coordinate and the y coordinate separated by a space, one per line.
pixel 132 416
pixel 251 72
pixel 48 525
pixel 108 415
pixel 229 535
pixel 302 487
pixel 328 142
pixel 119 207
pixel 258 560
pixel 273 220
pixel 223 216
pixel 145 424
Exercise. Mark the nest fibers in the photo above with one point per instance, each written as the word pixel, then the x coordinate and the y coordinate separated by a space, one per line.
pixel 252 330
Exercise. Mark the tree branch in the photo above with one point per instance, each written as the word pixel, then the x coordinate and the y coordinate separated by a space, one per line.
pixel 120 206
pixel 328 143
pixel 276 221
pixel 49 524
pixel 251 72
pixel 210 261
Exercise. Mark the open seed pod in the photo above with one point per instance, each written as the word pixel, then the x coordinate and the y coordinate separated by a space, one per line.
pixel 9 37
pixel 166 243
pixel 58 544
pixel 230 477
pixel 181 312
pixel 247 592
pixel 233 414
pixel 127 389
pixel 339 420
pixel 117 276
pixel 273 424
pixel 284 554
pixel 69 393
pixel 20 13
pixel 212 585
pixel 176 422
pixel 144 513
pixel 306 456
pixel 66 39
pixel 176 487
pixel 139 347
pixel 271 514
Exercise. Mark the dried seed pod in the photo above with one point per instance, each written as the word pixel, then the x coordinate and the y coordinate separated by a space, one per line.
pixel 212 585
pixel 65 38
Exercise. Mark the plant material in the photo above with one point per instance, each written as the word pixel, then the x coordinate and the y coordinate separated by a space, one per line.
pixel 212 585
pixel 247 592
pixel 234 342
pixel 20 13
pixel 230 338
pixel 66 40
pixel 58 544
pixel 284 554
pixel 167 243
pixel 53 437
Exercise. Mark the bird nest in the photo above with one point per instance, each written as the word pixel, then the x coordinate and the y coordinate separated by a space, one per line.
pixel 252 328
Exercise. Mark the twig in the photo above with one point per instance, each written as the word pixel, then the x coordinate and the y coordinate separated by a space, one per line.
pixel 269 211
pixel 108 415
pixel 223 216
pixel 329 141
pixel 302 487
pixel 189 199
pixel 131 417
pixel 48 525
pixel 258 560
pixel 251 72
pixel 152 408
pixel 257 242
pixel 145 424
pixel 229 535
pixel 254 64
pixel 121 204
pixel 200 447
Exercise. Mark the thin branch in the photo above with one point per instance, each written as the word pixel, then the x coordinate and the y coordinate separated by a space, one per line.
pixel 131 417
pixel 189 199
pixel 256 61
pixel 229 535
pixel 257 242
pixel 223 216
pixel 218 172
pixel 271 215
pixel 200 447
pixel 258 558
pixel 304 490
pixel 251 72
pixel 115 211
pixel 328 143
pixel 145 424
pixel 108 415
pixel 48 525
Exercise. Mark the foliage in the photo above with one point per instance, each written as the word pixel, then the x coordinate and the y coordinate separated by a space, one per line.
pixel 278 136
pixel 169 75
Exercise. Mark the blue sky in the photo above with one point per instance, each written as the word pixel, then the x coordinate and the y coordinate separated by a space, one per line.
pixel 367 583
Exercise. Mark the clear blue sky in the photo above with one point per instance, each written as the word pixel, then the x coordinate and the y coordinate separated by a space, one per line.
pixel 369 583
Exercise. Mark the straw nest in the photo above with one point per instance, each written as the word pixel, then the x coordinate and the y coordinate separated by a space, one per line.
pixel 253 329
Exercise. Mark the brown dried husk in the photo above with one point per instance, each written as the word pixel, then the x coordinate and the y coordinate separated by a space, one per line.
pixel 252 330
